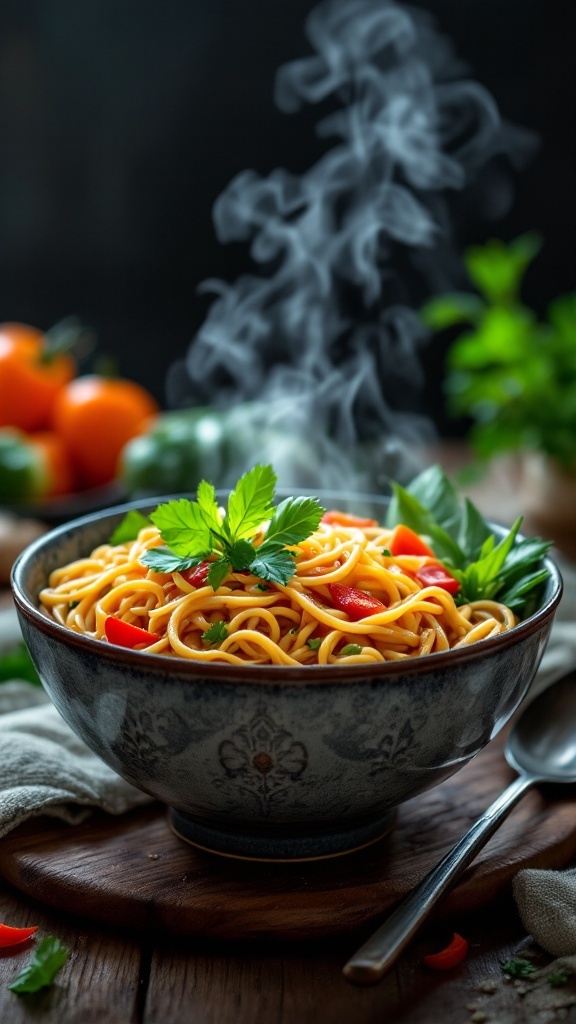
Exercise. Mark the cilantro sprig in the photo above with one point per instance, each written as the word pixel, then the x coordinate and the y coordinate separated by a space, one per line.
pixel 508 571
pixel 194 531
pixel 48 957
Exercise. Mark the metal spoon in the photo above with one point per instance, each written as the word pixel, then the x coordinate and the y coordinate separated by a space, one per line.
pixel 541 748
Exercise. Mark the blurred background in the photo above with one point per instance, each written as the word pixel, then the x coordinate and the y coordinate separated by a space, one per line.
pixel 121 121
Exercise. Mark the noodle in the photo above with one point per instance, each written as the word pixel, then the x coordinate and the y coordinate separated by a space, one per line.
pixel 271 623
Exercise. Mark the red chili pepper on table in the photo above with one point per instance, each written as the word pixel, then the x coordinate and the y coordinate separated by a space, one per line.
pixel 356 603
pixel 335 518
pixel 10 936
pixel 437 576
pixel 451 956
pixel 197 575
pixel 405 541
pixel 124 634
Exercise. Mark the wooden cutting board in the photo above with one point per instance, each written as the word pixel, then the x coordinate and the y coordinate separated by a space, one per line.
pixel 133 872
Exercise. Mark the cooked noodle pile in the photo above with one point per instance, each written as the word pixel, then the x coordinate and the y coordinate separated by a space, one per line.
pixel 269 623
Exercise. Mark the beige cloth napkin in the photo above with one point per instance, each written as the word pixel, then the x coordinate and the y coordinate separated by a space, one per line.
pixel 44 767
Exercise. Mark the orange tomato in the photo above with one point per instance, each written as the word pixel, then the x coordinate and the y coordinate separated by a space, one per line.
pixel 96 416
pixel 30 378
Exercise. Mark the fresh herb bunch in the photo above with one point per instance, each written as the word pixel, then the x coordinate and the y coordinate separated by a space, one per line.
pixel 512 373
pixel 194 531
pixel 508 571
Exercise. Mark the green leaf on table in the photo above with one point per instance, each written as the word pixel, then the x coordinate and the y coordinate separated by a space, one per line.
pixel 48 957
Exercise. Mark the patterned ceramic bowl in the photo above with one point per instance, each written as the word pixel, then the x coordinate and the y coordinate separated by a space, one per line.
pixel 275 762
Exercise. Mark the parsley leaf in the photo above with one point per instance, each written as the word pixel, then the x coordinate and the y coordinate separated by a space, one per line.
pixel 314 642
pixel 558 978
pixel 351 649
pixel 216 634
pixel 129 527
pixel 49 956
pixel 192 531
pixel 519 968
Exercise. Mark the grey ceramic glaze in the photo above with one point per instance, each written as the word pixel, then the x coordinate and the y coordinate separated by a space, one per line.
pixel 274 761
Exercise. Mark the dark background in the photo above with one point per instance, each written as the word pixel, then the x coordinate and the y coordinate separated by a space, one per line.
pixel 122 120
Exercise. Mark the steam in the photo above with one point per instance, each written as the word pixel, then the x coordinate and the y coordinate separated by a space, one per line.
pixel 322 341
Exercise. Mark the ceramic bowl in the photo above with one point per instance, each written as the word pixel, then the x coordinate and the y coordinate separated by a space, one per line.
pixel 275 762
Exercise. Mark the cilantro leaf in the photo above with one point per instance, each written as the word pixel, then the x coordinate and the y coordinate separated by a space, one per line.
pixel 518 968
pixel 314 642
pixel 250 503
pixel 218 572
pixel 49 956
pixel 216 634
pixel 273 563
pixel 129 527
pixel 183 528
pixel 164 560
pixel 294 520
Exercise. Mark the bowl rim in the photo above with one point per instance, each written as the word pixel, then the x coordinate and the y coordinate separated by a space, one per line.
pixel 251 673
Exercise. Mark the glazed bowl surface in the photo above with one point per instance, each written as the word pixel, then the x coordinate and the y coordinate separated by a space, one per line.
pixel 274 762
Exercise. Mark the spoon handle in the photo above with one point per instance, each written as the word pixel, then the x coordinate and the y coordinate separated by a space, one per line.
pixel 381 950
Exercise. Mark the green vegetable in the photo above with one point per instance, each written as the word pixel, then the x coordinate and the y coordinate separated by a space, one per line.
pixel 519 968
pixel 16 663
pixel 313 642
pixel 514 374
pixel 195 530
pixel 351 649
pixel 23 476
pixel 508 571
pixel 216 634
pixel 49 956
pixel 129 527
pixel 558 978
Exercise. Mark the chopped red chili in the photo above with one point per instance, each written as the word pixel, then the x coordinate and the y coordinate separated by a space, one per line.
pixel 451 956
pixel 10 936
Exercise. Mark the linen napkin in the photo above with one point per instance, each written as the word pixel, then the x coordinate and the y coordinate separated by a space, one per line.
pixel 44 767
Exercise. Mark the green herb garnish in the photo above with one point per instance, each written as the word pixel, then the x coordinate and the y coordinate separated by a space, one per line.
pixel 129 527
pixel 351 649
pixel 462 539
pixel 518 968
pixel 194 531
pixel 216 634
pixel 314 643
pixel 558 978
pixel 49 956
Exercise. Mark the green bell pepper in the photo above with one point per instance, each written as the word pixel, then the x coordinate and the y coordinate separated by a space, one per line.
pixel 22 469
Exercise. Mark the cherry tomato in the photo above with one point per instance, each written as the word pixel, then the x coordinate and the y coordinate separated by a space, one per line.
pixel 96 416
pixel 125 634
pixel 10 936
pixel 356 603
pixel 198 575
pixel 449 957
pixel 437 576
pixel 30 377
pixel 336 518
pixel 405 541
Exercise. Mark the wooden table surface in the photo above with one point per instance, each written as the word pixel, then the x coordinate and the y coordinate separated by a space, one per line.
pixel 116 977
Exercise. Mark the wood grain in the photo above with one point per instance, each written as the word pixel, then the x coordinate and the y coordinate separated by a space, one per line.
pixel 133 869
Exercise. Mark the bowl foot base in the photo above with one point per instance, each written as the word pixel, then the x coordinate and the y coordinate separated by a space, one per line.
pixel 260 847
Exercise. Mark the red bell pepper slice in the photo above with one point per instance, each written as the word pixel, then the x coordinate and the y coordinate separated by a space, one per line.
pixel 449 957
pixel 335 518
pixel 197 575
pixel 405 541
pixel 124 634
pixel 356 603
pixel 437 576
pixel 10 936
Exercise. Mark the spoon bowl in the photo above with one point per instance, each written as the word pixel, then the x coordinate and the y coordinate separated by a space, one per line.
pixel 543 741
